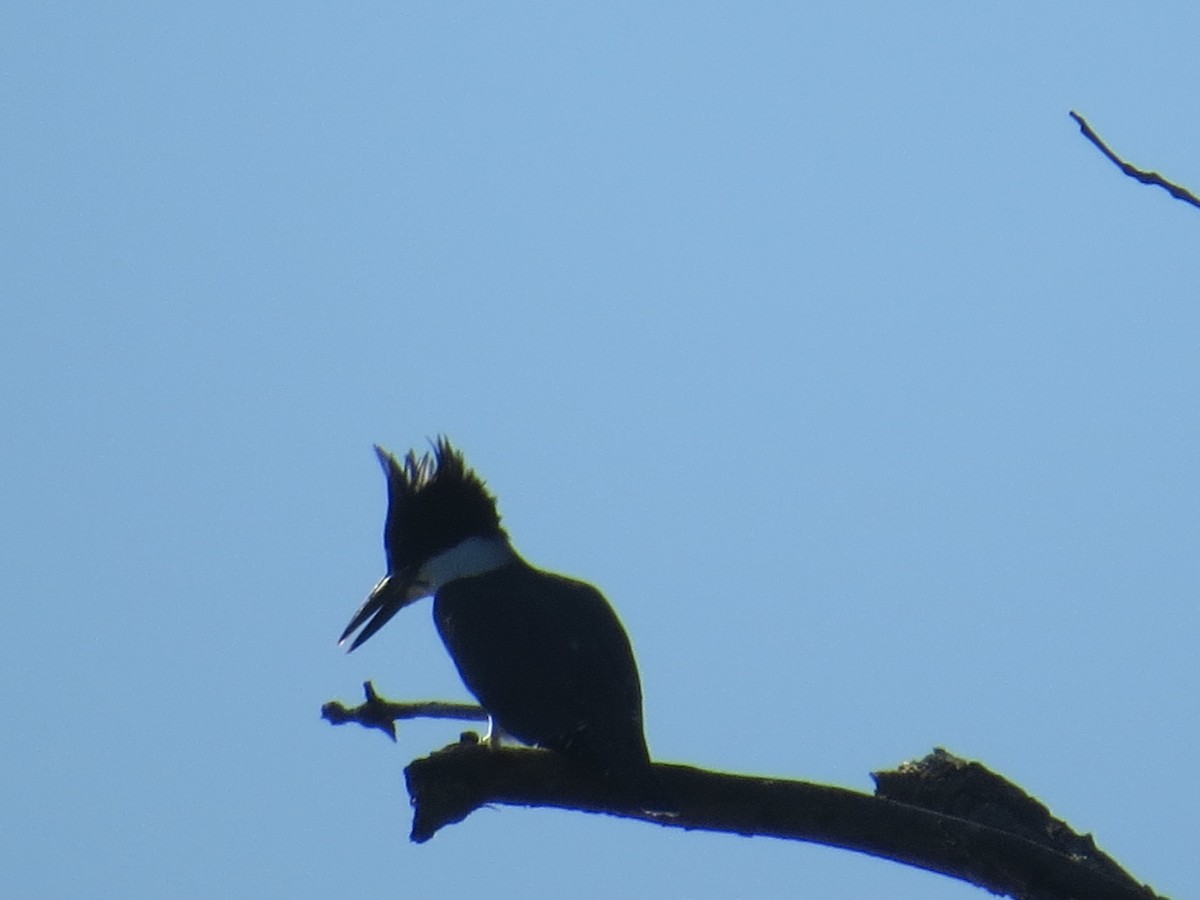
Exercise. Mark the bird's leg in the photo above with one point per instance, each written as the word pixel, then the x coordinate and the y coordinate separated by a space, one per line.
pixel 492 739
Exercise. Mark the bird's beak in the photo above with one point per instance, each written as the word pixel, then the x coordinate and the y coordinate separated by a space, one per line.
pixel 392 594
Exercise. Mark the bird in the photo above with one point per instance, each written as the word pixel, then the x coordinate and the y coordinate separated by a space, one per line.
pixel 545 655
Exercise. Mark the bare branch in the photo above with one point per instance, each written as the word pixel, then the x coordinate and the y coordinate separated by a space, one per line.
pixel 448 785
pixel 1179 193
pixel 943 814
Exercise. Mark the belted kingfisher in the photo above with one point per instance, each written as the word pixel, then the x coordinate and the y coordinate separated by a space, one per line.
pixel 545 655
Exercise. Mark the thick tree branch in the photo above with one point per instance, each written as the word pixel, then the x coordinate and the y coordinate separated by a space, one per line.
pixel 942 814
pixel 448 785
pixel 1179 193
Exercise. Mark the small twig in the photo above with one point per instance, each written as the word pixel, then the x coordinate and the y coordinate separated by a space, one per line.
pixel 376 712
pixel 1179 193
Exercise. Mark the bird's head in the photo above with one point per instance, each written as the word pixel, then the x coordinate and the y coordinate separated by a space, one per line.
pixel 441 524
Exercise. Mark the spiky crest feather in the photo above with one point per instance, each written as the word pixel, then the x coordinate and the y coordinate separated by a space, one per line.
pixel 434 502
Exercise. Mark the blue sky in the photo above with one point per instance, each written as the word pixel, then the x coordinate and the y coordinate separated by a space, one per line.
pixel 817 337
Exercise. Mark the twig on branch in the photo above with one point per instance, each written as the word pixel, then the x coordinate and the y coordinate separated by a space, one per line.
pixel 1179 193
pixel 382 714
pixel 942 814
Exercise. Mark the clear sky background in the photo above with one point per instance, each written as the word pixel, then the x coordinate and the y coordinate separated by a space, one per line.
pixel 814 334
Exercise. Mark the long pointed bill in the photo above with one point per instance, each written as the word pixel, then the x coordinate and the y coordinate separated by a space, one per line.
pixel 391 595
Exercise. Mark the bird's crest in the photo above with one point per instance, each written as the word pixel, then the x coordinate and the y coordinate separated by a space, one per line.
pixel 434 502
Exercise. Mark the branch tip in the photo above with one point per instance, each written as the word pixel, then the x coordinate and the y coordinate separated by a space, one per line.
pixel 1151 178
